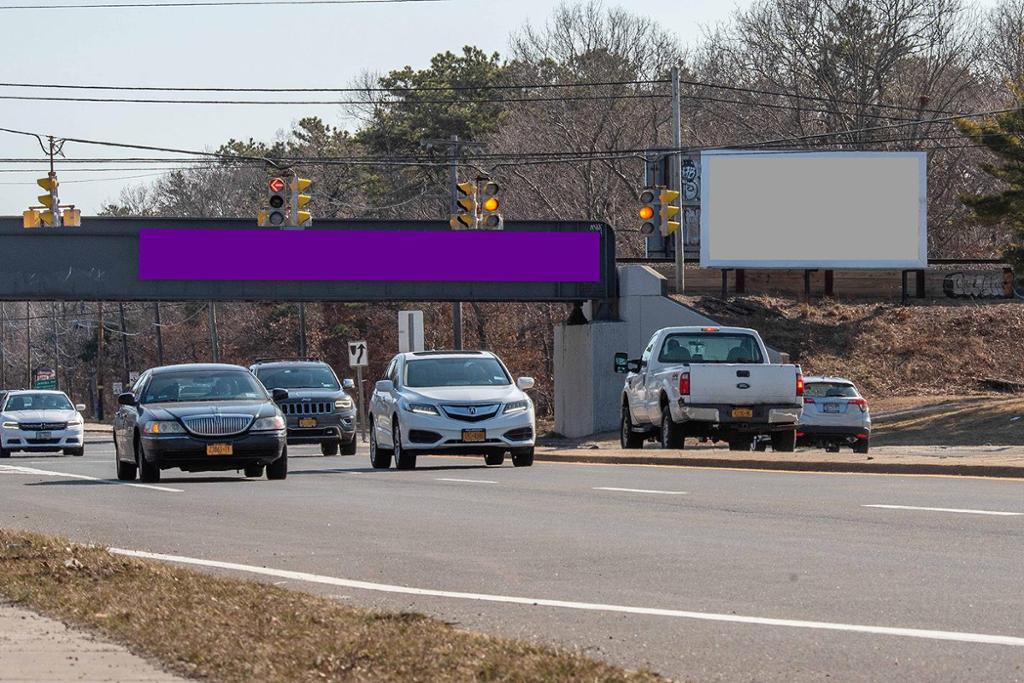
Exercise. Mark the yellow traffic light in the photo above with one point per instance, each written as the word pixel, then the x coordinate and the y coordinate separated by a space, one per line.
pixel 72 218
pixel 646 213
pixel 299 200
pixel 467 197
pixel 48 183
pixel 668 211
pixel 303 217
pixel 491 204
pixel 648 210
pixel 488 190
pixel 31 219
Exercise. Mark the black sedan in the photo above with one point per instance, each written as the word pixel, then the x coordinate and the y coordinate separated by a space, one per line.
pixel 199 417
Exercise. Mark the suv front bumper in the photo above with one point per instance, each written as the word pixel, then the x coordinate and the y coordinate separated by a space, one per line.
pixel 329 428
pixel 438 433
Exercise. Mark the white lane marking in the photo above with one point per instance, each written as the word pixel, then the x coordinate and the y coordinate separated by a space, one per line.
pixel 467 481
pixel 964 637
pixel 15 469
pixel 967 512
pixel 613 488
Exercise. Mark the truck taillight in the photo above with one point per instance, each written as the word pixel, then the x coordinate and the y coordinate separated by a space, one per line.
pixel 799 384
pixel 684 384
pixel 860 403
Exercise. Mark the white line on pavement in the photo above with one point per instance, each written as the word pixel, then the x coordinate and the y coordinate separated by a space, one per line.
pixel 667 493
pixel 963 637
pixel 968 512
pixel 15 469
pixel 468 481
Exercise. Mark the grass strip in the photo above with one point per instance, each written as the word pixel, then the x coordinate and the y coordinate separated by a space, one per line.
pixel 225 629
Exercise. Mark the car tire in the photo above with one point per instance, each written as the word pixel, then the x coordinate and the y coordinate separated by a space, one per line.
pixel 4 453
pixel 404 459
pixel 349 447
pixel 278 469
pixel 627 437
pixel 380 458
pixel 76 452
pixel 329 449
pixel 671 435
pixel 862 446
pixel 253 471
pixel 148 472
pixel 125 471
pixel 522 457
pixel 494 458
pixel 784 442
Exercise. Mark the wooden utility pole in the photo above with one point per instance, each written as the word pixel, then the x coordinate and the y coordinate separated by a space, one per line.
pixel 214 337
pixel 675 178
pixel 28 345
pixel 100 389
pixel 159 333
pixel 125 361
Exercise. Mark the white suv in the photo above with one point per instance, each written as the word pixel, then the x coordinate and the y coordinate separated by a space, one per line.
pixel 835 414
pixel 455 402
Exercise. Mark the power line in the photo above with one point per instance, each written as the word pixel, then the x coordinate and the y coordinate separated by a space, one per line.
pixel 214 3
pixel 496 100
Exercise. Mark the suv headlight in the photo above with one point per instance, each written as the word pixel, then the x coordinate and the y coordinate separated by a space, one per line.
pixel 343 403
pixel 165 427
pixel 513 407
pixel 267 424
pixel 421 409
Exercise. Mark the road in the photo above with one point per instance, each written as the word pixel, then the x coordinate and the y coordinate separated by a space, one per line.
pixel 694 573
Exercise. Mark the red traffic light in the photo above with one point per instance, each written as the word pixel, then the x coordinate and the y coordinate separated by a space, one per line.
pixel 276 184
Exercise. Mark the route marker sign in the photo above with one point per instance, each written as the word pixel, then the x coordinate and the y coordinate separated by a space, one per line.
pixel 357 354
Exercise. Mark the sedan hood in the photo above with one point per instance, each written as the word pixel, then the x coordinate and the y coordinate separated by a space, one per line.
pixel 469 395
pixel 254 407
pixel 40 416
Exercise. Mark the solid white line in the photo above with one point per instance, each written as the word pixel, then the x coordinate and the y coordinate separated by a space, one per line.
pixel 468 481
pixel 968 512
pixel 15 469
pixel 667 493
pixel 590 606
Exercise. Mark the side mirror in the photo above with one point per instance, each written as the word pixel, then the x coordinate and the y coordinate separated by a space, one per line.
pixel 384 385
pixel 348 383
pixel 80 407
pixel 125 399
pixel 279 395
pixel 635 365
pixel 525 383
pixel 621 358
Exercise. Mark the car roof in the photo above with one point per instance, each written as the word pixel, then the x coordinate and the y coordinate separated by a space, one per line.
pixel 446 354
pixel 280 363
pixel 32 391
pixel 827 378
pixel 195 367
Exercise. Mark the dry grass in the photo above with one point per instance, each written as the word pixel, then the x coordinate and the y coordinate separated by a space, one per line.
pixel 997 422
pixel 888 349
pixel 224 629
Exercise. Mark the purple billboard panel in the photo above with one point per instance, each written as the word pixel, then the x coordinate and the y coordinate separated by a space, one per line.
pixel 369 255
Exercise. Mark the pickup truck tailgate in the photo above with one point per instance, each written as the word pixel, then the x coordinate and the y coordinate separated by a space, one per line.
pixel 742 384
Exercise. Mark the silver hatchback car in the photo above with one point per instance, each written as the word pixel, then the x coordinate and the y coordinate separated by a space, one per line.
pixel 835 414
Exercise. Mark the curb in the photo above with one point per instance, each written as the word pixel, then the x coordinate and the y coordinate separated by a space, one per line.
pixel 1002 471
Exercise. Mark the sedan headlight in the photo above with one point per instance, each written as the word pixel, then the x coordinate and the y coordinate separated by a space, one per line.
pixel 166 427
pixel 343 403
pixel 10 425
pixel 421 409
pixel 267 424
pixel 513 407
pixel 76 420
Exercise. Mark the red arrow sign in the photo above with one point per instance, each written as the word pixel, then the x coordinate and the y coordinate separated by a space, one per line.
pixel 276 184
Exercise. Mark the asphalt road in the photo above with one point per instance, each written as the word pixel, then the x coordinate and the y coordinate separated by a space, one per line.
pixel 695 573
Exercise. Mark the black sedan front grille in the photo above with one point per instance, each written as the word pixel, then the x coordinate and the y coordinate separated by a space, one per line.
pixel 42 426
pixel 217 425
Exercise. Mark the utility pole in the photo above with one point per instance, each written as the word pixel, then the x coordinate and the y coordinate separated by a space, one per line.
pixel 99 361
pixel 159 333
pixel 302 329
pixel 214 338
pixel 675 179
pixel 3 344
pixel 124 345
pixel 28 345
pixel 56 345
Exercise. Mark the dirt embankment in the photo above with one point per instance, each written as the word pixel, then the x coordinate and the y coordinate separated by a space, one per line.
pixel 889 350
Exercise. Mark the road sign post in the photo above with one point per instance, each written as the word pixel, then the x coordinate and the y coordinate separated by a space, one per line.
pixel 410 331
pixel 357 358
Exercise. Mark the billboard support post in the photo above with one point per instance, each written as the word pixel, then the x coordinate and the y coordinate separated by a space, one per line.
pixel 675 179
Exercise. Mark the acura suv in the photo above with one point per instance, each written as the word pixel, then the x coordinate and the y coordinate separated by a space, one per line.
pixel 318 409
pixel 450 402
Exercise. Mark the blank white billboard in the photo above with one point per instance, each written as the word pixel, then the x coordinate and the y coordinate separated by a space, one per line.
pixel 813 209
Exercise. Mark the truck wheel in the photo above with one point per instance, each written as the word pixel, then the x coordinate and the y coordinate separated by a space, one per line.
pixel 784 442
pixel 494 458
pixel 380 458
pixel 861 445
pixel 671 433
pixel 522 457
pixel 627 437
pixel 328 449
pixel 349 447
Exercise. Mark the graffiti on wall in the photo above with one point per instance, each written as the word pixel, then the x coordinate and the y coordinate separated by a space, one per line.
pixel 989 284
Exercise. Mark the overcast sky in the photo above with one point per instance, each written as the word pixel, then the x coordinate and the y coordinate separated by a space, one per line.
pixel 316 46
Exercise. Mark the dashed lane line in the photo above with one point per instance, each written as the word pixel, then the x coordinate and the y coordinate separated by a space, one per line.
pixel 621 490
pixel 960 510
pixel 17 469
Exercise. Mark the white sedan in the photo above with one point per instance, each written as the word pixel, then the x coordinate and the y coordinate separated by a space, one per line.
pixel 454 402
pixel 40 421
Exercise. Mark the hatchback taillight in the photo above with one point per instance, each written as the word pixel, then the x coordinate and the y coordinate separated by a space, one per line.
pixel 808 399
pixel 799 384
pixel 684 384
pixel 860 403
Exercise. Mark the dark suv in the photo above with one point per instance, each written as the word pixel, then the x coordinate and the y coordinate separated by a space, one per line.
pixel 317 409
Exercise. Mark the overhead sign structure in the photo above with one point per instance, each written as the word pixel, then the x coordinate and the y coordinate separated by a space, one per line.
pixel 357 355
pixel 410 331
pixel 774 209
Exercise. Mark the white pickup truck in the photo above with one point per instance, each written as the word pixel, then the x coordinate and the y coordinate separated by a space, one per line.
pixel 713 383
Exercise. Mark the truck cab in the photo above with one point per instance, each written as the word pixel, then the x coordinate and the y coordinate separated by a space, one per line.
pixel 712 383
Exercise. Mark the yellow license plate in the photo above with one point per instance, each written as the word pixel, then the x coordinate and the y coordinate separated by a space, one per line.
pixel 474 435
pixel 743 412
pixel 307 422
pixel 219 449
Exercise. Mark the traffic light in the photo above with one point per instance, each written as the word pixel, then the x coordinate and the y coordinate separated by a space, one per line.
pixel 668 211
pixel 276 212
pixel 299 217
pixel 51 203
pixel 466 204
pixel 487 191
pixel 72 218
pixel 649 210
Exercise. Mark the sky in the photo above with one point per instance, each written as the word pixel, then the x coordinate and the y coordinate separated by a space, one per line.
pixel 275 46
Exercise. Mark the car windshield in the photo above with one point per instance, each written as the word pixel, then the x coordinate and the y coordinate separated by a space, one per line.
pixel 456 372
pixel 310 377
pixel 215 385
pixel 38 402
pixel 710 347
pixel 830 390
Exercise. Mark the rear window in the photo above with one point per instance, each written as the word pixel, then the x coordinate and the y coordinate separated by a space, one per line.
pixel 710 347
pixel 830 390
